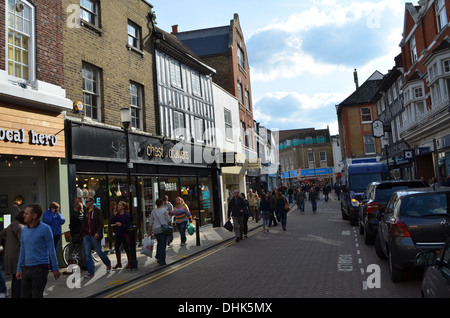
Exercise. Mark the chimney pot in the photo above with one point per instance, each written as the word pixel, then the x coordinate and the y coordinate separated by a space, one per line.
pixel 175 29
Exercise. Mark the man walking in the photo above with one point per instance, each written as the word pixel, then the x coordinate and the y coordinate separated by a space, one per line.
pixel 93 234
pixel 253 201
pixel 36 249
pixel 236 208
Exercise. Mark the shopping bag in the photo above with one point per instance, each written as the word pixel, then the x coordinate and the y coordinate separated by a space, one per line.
pixel 147 247
pixel 228 226
pixel 191 228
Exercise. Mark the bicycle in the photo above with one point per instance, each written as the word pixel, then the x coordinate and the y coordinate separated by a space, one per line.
pixel 75 255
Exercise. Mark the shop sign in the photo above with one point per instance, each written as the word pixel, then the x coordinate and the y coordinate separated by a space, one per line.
pixel 18 136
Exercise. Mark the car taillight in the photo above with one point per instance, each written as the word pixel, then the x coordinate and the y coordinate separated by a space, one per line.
pixel 372 207
pixel 399 229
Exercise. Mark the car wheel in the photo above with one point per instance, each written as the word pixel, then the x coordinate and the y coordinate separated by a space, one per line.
pixel 378 249
pixel 368 239
pixel 397 275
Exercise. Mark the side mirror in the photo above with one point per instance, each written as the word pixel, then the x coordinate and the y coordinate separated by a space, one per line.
pixel 427 259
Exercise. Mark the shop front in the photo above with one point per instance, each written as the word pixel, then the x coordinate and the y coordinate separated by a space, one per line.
pixel 97 168
pixel 32 148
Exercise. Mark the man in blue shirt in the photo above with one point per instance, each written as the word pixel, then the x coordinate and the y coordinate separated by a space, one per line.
pixel 36 248
pixel 54 219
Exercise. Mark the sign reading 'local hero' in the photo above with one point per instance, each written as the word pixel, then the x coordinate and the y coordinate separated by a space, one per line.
pixel 18 136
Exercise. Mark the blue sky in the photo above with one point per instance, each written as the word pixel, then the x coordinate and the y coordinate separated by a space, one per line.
pixel 302 54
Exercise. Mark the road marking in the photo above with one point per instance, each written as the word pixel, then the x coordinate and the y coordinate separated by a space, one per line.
pixel 345 263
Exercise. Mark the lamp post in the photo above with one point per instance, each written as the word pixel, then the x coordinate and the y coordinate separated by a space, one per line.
pixel 125 116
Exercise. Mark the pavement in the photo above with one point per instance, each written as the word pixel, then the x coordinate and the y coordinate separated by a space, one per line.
pixel 76 286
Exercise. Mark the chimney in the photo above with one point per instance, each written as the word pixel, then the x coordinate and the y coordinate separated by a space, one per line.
pixel 175 29
pixel 355 76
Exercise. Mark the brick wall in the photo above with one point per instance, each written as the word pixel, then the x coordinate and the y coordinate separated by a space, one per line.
pixel 106 48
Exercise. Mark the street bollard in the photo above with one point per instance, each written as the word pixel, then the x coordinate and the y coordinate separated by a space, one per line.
pixel 197 230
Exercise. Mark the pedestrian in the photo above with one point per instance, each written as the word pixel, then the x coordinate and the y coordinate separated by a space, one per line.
pixel 281 211
pixel 75 227
pixel 326 191
pixel 36 249
pixel 313 196
pixel 54 219
pixel 265 211
pixel 434 183
pixel 236 208
pixel 158 217
pixel 273 205
pixel 10 239
pixel 247 214
pixel 92 236
pixel 121 222
pixel 253 202
pixel 182 216
pixel 301 199
pixel 169 207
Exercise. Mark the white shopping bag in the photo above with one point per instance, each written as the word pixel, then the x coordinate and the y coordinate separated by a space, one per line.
pixel 147 247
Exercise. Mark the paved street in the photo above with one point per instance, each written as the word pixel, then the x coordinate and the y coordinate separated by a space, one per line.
pixel 320 255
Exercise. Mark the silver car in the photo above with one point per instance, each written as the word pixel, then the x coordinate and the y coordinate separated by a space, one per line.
pixel 415 220
pixel 436 276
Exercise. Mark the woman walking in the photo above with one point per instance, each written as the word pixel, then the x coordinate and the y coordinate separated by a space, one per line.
pixel 265 211
pixel 181 216
pixel 280 211
pixel 121 222
pixel 158 217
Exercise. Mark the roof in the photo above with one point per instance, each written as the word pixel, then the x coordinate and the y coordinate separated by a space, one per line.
pixel 365 93
pixel 207 41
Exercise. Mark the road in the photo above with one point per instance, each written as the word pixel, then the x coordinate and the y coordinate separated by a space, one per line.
pixel 319 255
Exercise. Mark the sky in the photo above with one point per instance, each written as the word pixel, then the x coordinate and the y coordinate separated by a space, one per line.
pixel 302 53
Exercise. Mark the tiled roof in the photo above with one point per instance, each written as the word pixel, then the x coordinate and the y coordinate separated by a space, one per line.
pixel 206 41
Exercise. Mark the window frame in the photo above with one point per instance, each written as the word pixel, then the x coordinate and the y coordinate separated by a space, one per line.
pixel 365 138
pixel 368 120
pixel 136 109
pixel 31 43
pixel 94 13
pixel 441 15
pixel 97 94
pixel 413 49
pixel 228 124
pixel 176 76
pixel 137 37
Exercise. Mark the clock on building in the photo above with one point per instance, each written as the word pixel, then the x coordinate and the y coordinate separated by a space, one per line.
pixel 377 128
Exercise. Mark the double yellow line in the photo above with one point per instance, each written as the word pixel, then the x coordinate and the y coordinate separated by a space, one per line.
pixel 171 270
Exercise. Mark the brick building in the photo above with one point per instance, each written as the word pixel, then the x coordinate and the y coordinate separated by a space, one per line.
pixel 355 116
pixel 32 106
pixel 425 123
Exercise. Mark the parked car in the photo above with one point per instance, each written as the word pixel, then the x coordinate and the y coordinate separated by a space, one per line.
pixel 414 221
pixel 436 276
pixel 375 198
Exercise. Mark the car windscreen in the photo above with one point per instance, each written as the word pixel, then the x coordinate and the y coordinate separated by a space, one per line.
pixel 383 192
pixel 426 205
pixel 360 181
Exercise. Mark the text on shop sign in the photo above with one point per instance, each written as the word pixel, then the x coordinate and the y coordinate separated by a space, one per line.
pixel 18 136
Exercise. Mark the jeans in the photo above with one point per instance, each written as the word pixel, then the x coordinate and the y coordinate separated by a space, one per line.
pixel 161 248
pixel 283 218
pixel 88 243
pixel 34 281
pixel 314 205
pixel 266 219
pixel 182 230
pixel 301 205
pixel 238 222
pixel 3 288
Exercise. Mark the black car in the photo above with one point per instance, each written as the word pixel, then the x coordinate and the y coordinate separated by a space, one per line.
pixel 436 276
pixel 375 199
pixel 414 221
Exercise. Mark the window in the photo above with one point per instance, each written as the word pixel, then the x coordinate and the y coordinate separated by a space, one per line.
pixel 241 59
pixel 91 91
pixel 20 42
pixel 412 45
pixel 446 66
pixel 175 74
pixel 247 100
pixel 134 35
pixel 311 157
pixel 418 92
pixel 228 124
pixel 366 115
pixel 136 105
pixel 196 88
pixel 178 124
pixel 89 11
pixel 240 97
pixel 323 155
pixel 441 15
pixel 369 144
pixel 198 126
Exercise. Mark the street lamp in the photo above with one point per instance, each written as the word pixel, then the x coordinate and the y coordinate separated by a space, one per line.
pixel 125 116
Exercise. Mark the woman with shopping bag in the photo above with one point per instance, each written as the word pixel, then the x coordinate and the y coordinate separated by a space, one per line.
pixel 158 219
